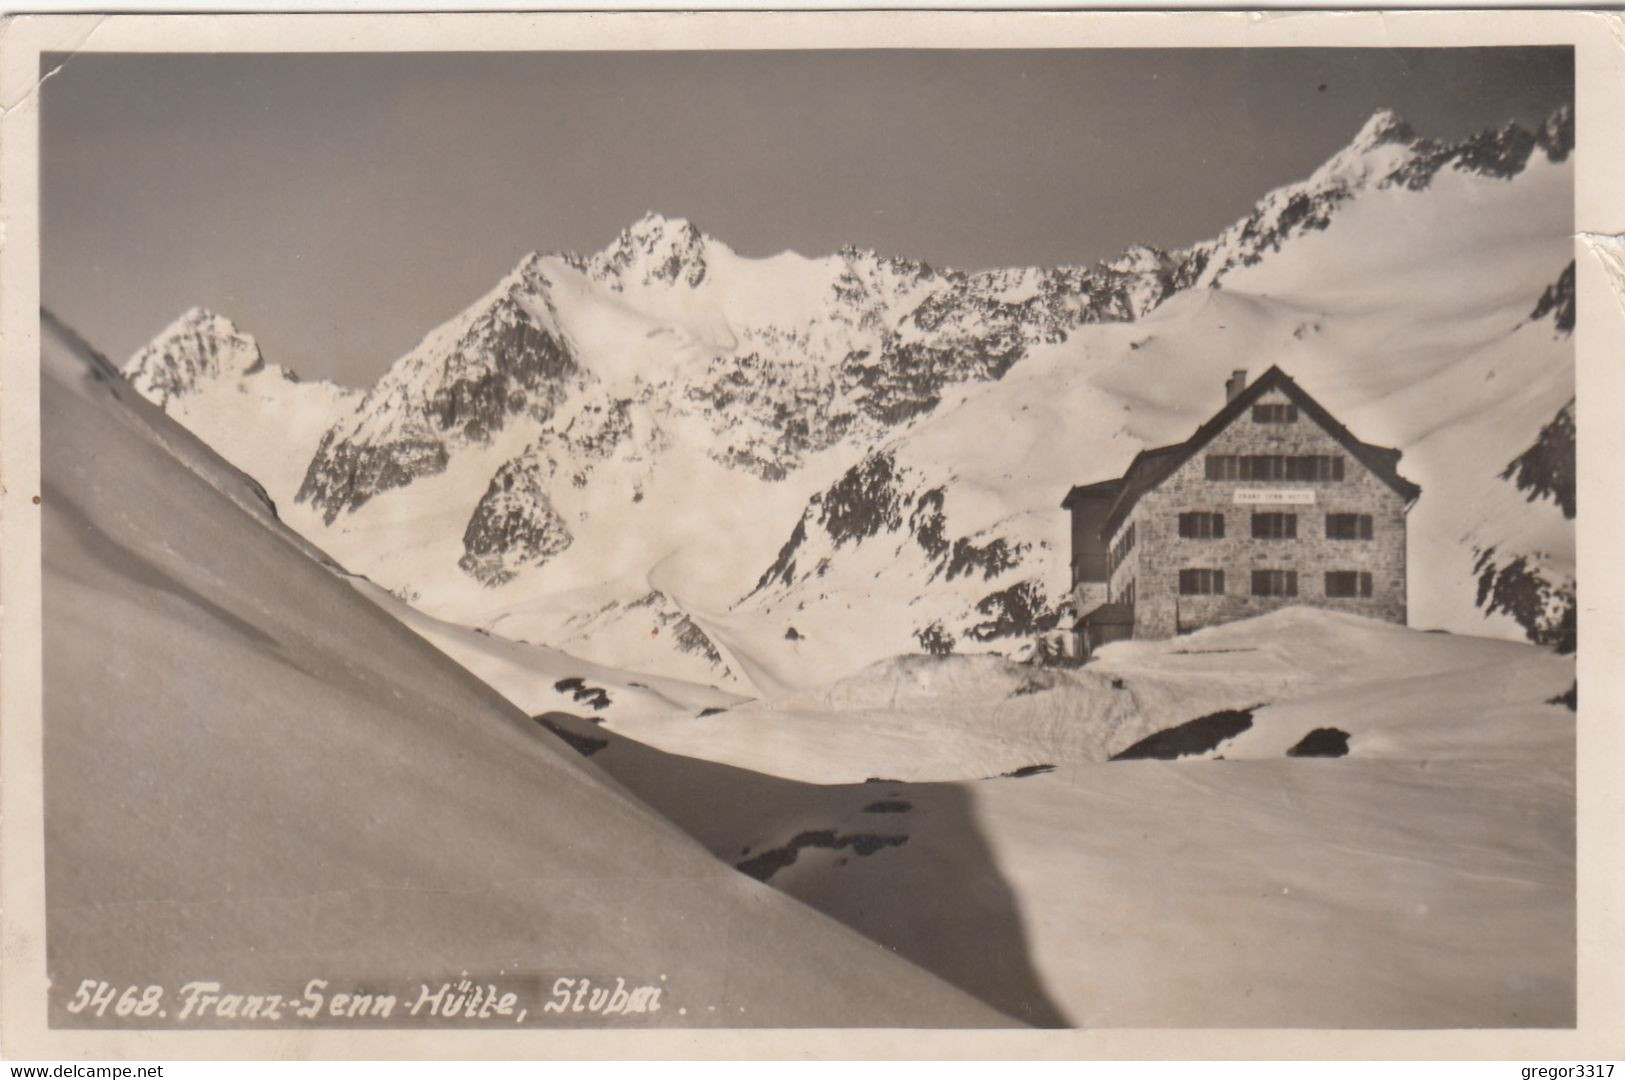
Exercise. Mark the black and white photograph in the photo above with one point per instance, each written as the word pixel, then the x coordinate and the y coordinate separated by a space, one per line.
pixel 634 536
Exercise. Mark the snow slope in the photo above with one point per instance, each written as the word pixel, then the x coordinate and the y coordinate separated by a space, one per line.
pixel 1425 880
pixel 255 775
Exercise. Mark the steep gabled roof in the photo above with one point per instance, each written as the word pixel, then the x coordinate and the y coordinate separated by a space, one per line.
pixel 1151 467
pixel 1105 489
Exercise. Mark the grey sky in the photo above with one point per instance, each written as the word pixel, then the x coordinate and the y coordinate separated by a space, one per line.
pixel 339 206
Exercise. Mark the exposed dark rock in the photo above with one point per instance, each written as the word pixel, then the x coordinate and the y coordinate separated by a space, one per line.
pixel 1546 469
pixel 1558 301
pixel 1021 610
pixel 927 524
pixel 1500 154
pixel 513 525
pixel 504 364
pixel 595 697
pixel 1198 736
pixel 344 475
pixel 783 569
pixel 768 863
pixel 992 558
pixel 1545 609
pixel 862 502
pixel 935 639
pixel 585 745
pixel 1322 742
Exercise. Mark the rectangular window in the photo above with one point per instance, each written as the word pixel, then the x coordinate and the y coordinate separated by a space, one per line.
pixel 1315 467
pixel 1275 526
pixel 1201 583
pixel 1348 583
pixel 1274 467
pixel 1275 414
pixel 1264 467
pixel 1201 525
pixel 1275 583
pixel 1348 526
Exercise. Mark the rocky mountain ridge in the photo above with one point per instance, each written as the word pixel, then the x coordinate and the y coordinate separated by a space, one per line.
pixel 563 417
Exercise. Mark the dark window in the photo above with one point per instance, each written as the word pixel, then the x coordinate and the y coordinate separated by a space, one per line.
pixel 1201 583
pixel 1348 526
pixel 1274 526
pixel 1275 583
pixel 1348 583
pixel 1275 414
pixel 1125 595
pixel 1275 467
pixel 1315 467
pixel 1264 467
pixel 1201 525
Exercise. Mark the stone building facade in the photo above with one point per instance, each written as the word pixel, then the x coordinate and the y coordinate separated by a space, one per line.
pixel 1271 503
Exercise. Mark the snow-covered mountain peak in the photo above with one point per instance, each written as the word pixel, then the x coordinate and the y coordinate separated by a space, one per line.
pixel 654 250
pixel 199 317
pixel 211 376
pixel 198 346
pixel 1384 144
pixel 654 225
pixel 1385 126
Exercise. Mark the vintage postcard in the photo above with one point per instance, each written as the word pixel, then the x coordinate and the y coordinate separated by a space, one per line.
pixel 822 534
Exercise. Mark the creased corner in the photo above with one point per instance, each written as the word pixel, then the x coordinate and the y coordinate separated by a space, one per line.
pixel 12 101
pixel 1609 251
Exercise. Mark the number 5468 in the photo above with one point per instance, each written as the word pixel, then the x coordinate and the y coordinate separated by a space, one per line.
pixel 96 995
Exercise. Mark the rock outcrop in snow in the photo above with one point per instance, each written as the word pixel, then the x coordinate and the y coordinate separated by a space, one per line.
pixel 502 359
pixel 1534 585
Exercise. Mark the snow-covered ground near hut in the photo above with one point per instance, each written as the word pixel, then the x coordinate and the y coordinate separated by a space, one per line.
pixel 969 717
pixel 1349 893
pixel 1426 879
